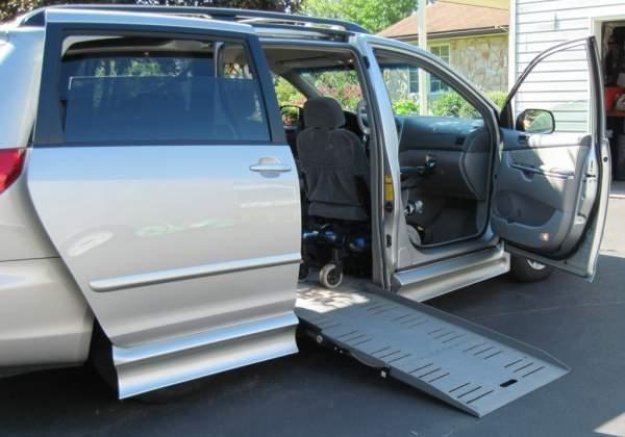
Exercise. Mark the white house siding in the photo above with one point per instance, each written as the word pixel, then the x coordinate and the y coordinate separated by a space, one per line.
pixel 560 82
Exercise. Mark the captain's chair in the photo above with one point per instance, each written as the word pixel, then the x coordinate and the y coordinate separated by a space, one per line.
pixel 336 178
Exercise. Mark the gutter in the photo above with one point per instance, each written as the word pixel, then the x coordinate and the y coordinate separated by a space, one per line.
pixel 455 33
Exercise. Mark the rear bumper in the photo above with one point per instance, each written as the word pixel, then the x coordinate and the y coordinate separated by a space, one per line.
pixel 44 319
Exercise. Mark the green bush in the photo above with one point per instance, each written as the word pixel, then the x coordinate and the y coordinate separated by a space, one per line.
pixel 447 105
pixel 342 86
pixel 451 104
pixel 405 107
pixel 497 97
pixel 287 94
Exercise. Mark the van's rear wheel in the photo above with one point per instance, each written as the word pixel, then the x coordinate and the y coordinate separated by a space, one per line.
pixel 331 275
pixel 526 270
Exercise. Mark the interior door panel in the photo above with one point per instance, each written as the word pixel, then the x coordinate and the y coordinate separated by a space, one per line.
pixel 537 189
pixel 552 186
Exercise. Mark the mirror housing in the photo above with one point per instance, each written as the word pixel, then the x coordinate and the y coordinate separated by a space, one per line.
pixel 536 121
pixel 291 115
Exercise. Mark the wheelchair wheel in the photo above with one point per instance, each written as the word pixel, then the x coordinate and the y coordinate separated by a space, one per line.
pixel 331 275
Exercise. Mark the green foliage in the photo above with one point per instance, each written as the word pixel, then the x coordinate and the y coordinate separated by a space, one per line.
pixel 449 104
pixel 287 94
pixel 497 97
pixel 452 105
pixel 263 5
pixel 406 107
pixel 11 8
pixel 341 85
pixel 374 15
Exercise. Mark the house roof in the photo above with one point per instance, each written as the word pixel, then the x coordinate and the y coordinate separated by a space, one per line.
pixel 449 19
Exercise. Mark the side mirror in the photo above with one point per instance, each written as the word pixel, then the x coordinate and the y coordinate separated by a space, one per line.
pixel 536 121
pixel 291 115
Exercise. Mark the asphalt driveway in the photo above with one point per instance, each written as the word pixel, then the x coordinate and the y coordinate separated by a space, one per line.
pixel 318 393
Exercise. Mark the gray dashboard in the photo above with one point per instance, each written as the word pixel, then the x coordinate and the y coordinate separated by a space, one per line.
pixel 459 146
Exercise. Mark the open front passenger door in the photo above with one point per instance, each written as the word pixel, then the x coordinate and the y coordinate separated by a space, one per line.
pixel 552 184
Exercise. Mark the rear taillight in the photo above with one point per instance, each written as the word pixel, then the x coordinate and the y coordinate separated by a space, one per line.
pixel 11 164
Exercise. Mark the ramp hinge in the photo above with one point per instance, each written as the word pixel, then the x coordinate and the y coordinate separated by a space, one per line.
pixel 389 241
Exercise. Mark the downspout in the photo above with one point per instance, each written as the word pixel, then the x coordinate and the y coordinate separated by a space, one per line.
pixel 423 43
pixel 512 44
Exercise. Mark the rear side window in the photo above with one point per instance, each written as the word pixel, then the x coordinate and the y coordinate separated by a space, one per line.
pixel 122 90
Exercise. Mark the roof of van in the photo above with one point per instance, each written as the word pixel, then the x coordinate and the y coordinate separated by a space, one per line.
pixel 249 17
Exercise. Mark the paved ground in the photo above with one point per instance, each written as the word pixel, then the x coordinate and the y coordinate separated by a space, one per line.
pixel 618 189
pixel 320 394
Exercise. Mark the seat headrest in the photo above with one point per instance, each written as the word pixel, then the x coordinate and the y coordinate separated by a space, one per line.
pixel 323 112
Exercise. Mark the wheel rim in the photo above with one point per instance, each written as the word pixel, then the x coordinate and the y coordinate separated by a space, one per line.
pixel 334 276
pixel 536 265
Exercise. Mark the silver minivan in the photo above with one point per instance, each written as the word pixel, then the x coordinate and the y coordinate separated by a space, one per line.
pixel 172 178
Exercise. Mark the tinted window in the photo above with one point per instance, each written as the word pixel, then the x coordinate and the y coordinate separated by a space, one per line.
pixel 151 90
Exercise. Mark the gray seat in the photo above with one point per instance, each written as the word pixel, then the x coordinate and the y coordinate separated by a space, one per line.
pixel 333 162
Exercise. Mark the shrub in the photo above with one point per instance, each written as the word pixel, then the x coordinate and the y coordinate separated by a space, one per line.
pixel 287 94
pixel 451 104
pixel 347 94
pixel 497 97
pixel 405 107
pixel 447 105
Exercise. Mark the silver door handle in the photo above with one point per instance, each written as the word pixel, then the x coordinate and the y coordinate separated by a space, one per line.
pixel 270 168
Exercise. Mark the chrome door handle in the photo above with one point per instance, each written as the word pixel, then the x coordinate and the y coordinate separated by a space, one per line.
pixel 270 168
pixel 270 164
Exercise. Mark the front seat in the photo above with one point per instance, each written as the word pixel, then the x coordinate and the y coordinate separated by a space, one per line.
pixel 333 162
pixel 336 179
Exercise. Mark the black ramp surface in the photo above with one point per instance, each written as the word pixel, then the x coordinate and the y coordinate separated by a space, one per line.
pixel 468 366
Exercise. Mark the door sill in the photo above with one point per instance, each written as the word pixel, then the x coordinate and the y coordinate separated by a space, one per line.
pixel 152 366
pixel 441 277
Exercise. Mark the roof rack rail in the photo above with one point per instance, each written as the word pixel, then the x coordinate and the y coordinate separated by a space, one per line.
pixel 247 16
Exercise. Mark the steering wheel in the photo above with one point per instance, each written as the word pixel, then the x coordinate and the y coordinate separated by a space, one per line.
pixel 362 116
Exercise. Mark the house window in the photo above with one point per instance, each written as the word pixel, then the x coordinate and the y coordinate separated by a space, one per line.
pixel 436 85
pixel 441 51
pixel 414 80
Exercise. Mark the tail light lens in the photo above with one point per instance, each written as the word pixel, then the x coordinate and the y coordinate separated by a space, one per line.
pixel 11 164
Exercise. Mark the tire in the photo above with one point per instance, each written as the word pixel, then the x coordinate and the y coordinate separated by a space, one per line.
pixel 331 276
pixel 525 270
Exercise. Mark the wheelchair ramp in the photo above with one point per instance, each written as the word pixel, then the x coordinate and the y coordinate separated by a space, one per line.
pixel 468 366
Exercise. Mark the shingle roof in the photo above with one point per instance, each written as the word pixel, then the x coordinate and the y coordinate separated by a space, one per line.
pixel 443 17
